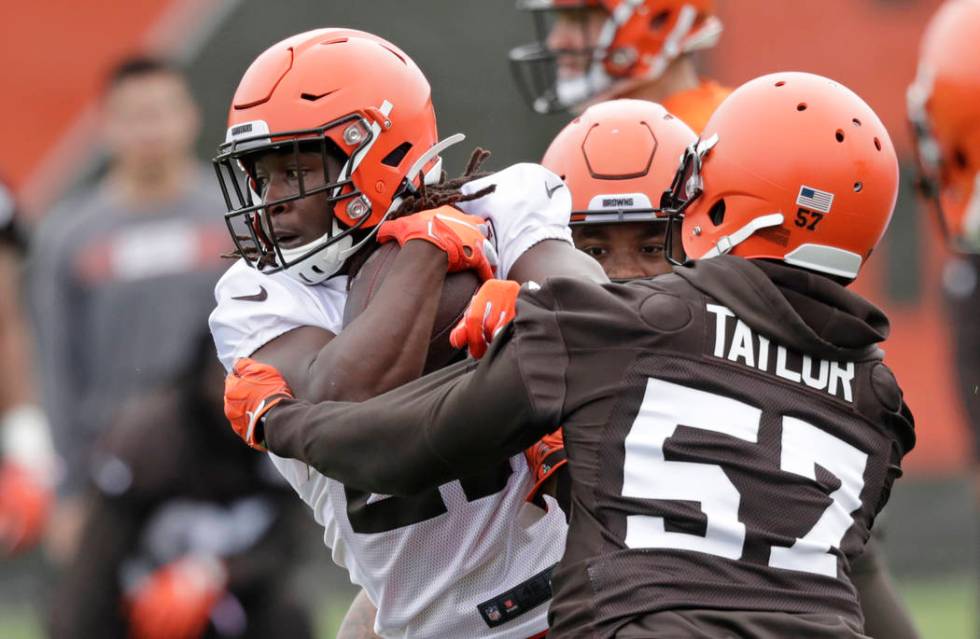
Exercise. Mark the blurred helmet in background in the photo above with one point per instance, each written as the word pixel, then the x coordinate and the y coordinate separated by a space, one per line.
pixel 589 50
pixel 944 109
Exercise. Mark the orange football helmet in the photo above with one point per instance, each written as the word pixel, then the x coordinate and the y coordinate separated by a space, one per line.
pixel 944 109
pixel 792 167
pixel 617 158
pixel 636 42
pixel 334 91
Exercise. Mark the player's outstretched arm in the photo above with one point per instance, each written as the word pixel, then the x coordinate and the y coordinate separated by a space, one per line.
pixel 425 433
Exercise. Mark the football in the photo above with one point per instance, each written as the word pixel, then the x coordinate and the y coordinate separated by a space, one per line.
pixel 457 291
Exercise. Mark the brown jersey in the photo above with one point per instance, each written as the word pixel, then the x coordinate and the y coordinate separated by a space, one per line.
pixel 731 433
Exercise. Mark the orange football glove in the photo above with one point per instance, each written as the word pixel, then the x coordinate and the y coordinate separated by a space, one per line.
pixel 251 389
pixel 464 238
pixel 25 502
pixel 544 459
pixel 175 602
pixel 490 310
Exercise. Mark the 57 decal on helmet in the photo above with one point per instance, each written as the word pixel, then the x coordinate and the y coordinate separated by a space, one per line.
pixel 375 132
pixel 792 167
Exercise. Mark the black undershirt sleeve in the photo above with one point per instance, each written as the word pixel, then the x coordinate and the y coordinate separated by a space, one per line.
pixel 438 428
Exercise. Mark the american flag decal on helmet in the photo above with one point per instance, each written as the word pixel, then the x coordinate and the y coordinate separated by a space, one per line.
pixel 815 199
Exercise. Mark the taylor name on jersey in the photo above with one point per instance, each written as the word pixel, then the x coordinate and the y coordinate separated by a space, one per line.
pixel 736 342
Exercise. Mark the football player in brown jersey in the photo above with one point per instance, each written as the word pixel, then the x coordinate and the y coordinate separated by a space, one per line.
pixel 617 158
pixel 732 429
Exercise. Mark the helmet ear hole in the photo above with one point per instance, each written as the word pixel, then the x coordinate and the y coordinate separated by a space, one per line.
pixel 395 157
pixel 717 213
pixel 658 21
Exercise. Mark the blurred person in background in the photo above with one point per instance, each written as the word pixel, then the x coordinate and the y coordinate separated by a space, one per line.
pixel 121 273
pixel 588 51
pixel 944 109
pixel 28 465
pixel 189 533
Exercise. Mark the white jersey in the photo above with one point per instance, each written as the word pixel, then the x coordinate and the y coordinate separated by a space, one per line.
pixel 441 564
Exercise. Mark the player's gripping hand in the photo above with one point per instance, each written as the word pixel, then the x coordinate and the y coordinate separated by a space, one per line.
pixel 543 460
pixel 490 310
pixel 464 238
pixel 25 502
pixel 251 389
pixel 175 602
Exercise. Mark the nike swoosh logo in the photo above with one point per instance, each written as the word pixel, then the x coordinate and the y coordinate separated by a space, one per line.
pixel 551 190
pixel 258 297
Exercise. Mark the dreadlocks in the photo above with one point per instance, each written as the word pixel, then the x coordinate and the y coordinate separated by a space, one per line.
pixel 447 192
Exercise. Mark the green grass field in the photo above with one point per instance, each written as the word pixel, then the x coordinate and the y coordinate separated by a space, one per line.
pixel 942 608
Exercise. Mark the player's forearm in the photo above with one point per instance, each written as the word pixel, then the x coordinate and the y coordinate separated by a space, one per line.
pixel 556 258
pixel 362 445
pixel 425 433
pixel 387 344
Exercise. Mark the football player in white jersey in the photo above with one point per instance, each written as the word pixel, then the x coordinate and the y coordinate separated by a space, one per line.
pixel 331 133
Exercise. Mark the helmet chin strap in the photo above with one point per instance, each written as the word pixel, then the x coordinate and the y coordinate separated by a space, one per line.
pixel 727 242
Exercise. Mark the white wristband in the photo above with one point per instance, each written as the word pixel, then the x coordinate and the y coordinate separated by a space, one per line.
pixel 26 439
